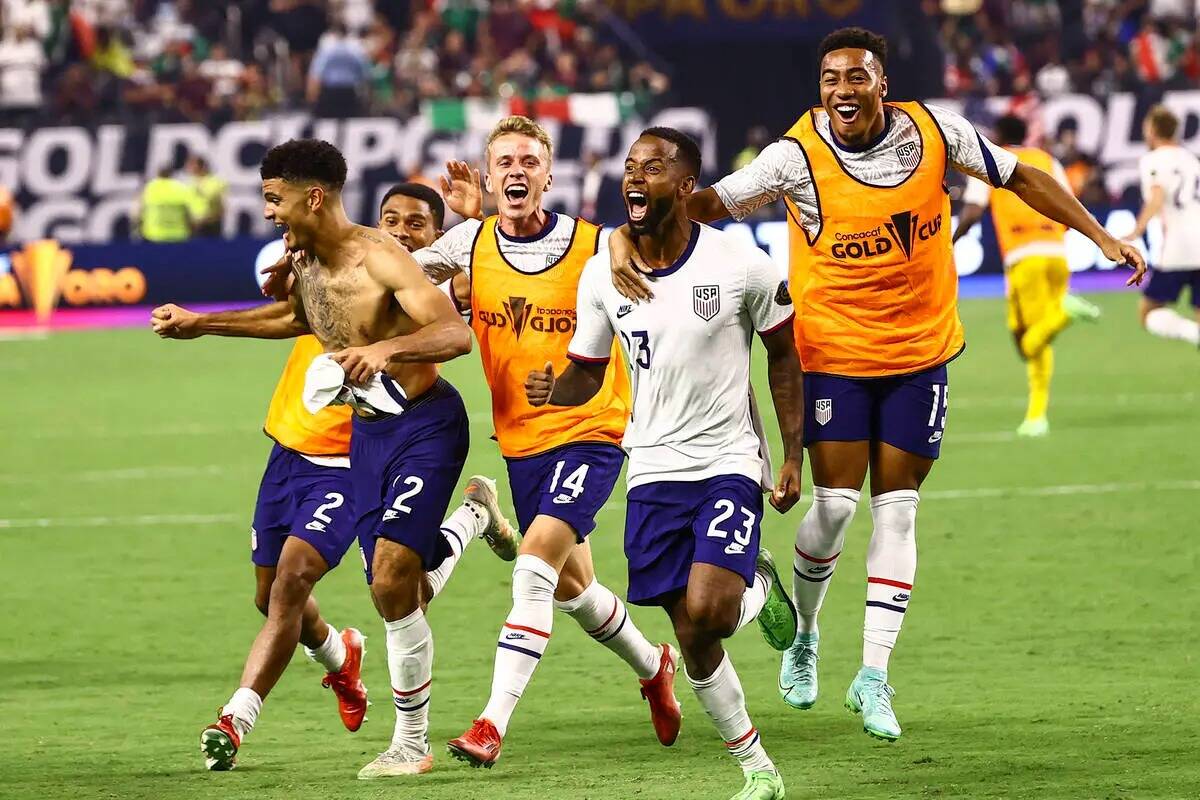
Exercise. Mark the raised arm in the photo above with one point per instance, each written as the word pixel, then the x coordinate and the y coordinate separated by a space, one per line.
pixel 271 321
pixel 1045 195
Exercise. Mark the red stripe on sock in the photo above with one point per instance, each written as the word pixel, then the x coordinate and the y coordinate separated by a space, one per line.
pixel 889 582
pixel 816 560
pixel 742 738
pixel 611 617
pixel 535 631
pixel 414 691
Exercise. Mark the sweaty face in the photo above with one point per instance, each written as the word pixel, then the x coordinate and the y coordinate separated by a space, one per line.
pixel 518 173
pixel 653 183
pixel 287 205
pixel 409 220
pixel 852 90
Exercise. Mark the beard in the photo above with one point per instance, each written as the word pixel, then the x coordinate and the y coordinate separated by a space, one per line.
pixel 657 212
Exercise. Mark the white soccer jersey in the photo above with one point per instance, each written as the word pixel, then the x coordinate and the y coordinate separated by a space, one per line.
pixel 1177 171
pixel 781 169
pixel 688 350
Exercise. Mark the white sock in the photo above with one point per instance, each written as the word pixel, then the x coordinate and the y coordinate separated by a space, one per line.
pixel 244 706
pixel 891 566
pixel 753 599
pixel 523 638
pixel 818 545
pixel 723 701
pixel 331 654
pixel 604 617
pixel 410 665
pixel 1167 323
pixel 459 530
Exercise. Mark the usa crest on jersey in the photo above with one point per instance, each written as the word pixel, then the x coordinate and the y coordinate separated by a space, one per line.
pixel 909 154
pixel 706 301
pixel 824 410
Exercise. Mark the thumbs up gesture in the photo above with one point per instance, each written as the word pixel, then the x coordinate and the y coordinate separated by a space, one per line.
pixel 540 385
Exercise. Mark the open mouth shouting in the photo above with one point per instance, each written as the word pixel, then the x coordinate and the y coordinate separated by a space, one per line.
pixel 637 204
pixel 516 192
pixel 847 112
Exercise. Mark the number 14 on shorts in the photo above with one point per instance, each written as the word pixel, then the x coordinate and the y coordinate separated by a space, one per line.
pixel 571 486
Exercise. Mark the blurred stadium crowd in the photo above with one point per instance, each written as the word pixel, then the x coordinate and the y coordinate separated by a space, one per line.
pixel 84 62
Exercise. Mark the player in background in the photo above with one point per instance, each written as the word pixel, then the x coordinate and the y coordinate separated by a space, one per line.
pixel 1035 266
pixel 524 266
pixel 1170 190
pixel 872 274
pixel 697 466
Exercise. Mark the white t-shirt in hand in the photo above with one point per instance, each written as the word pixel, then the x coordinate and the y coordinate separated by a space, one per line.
pixel 1177 171
pixel 688 351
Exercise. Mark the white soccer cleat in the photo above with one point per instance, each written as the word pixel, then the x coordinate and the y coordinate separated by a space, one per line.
pixel 397 762
pixel 499 533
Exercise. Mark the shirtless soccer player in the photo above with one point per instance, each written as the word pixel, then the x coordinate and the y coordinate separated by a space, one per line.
pixel 562 462
pixel 304 520
pixel 383 328
pixel 696 466
pixel 872 274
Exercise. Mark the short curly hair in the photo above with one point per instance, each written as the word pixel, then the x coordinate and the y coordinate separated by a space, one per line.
pixel 857 38
pixel 686 147
pixel 302 160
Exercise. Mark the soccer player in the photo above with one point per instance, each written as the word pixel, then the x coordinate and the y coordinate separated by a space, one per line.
pixel 1035 264
pixel 1170 190
pixel 873 277
pixel 383 328
pixel 524 265
pixel 307 472
pixel 696 465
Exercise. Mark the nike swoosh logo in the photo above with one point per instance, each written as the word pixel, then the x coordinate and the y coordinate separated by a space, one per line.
pixel 621 312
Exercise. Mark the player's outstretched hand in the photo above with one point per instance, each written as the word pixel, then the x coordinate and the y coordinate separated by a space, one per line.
pixel 628 269
pixel 1125 253
pixel 787 490
pixel 360 363
pixel 540 385
pixel 463 190
pixel 174 322
pixel 278 284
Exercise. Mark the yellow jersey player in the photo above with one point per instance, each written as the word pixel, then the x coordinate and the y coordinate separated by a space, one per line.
pixel 524 265
pixel 872 275
pixel 1035 266
pixel 298 516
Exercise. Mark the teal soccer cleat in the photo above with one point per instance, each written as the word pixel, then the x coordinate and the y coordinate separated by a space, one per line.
pixel 798 672
pixel 871 695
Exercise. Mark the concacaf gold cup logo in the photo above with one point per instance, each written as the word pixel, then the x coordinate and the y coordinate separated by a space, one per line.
pixel 42 274
pixel 901 231
pixel 519 315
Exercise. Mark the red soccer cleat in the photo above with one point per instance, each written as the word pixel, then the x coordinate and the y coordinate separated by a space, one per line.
pixel 479 747
pixel 659 692
pixel 347 684
pixel 219 742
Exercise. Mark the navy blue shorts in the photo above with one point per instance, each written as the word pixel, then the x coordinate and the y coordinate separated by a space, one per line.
pixel 571 483
pixel 405 468
pixel 1165 287
pixel 670 525
pixel 907 411
pixel 299 498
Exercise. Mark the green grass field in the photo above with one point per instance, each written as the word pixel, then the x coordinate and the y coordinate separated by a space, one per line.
pixel 1051 652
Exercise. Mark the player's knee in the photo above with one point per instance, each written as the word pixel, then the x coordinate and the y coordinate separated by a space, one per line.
pixel 292 587
pixel 834 508
pixel 713 615
pixel 533 579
